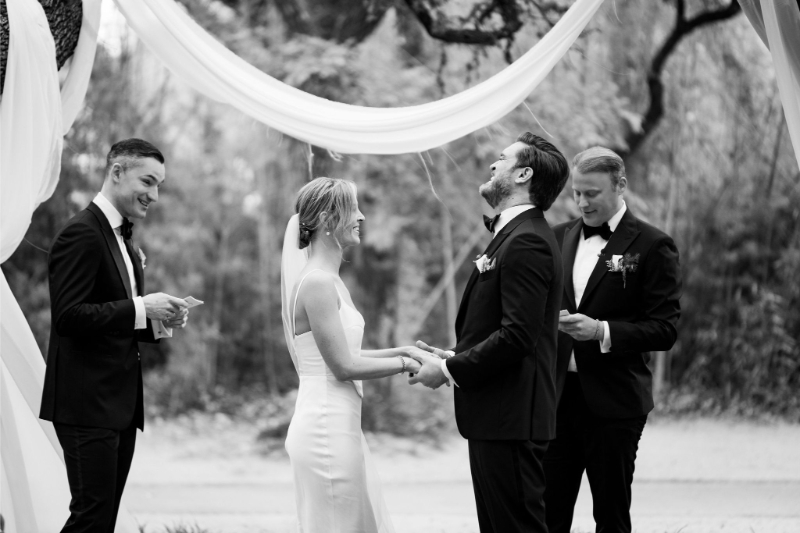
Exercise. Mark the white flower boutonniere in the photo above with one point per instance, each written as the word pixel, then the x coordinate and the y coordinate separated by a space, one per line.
pixel 485 264
pixel 623 263
pixel 142 258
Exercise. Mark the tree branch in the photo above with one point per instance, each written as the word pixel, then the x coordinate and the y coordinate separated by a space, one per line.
pixel 438 28
pixel 683 27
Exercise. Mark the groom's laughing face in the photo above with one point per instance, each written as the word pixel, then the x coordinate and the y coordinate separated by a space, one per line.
pixel 136 185
pixel 504 170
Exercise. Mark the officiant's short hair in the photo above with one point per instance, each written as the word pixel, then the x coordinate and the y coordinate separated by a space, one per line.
pixel 550 169
pixel 599 159
pixel 126 151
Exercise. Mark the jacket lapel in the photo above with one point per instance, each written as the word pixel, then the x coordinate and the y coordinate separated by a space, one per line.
pixel 138 272
pixel 490 250
pixel 568 250
pixel 113 247
pixel 626 232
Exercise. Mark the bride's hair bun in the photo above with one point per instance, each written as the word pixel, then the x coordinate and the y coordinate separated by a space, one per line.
pixel 336 197
pixel 305 235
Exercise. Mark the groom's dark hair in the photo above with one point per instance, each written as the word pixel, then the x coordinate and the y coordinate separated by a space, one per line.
pixel 125 152
pixel 550 169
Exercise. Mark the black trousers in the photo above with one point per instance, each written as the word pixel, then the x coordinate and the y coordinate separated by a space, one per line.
pixel 98 461
pixel 508 480
pixel 605 448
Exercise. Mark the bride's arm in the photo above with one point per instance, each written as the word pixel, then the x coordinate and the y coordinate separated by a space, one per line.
pixel 319 298
pixel 404 351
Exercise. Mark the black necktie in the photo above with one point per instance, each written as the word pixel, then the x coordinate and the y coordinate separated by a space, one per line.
pixel 490 222
pixel 603 230
pixel 126 229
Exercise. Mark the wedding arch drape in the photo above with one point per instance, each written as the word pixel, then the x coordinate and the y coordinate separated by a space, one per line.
pixel 206 65
pixel 777 23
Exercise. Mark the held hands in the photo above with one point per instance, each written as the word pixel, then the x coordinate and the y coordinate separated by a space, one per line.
pixel 161 306
pixel 580 327
pixel 430 373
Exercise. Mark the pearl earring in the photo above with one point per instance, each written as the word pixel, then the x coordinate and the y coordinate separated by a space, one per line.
pixel 327 233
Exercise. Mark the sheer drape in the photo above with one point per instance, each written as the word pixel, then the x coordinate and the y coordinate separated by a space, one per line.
pixel 207 66
pixel 777 22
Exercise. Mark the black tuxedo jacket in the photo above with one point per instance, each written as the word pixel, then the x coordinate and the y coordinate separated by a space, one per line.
pixel 93 375
pixel 506 329
pixel 642 313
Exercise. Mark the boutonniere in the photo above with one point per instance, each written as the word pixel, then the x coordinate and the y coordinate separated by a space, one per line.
pixel 142 258
pixel 623 263
pixel 485 264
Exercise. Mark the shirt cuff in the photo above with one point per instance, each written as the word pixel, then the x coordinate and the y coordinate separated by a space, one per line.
pixel 160 331
pixel 447 373
pixel 141 317
pixel 605 346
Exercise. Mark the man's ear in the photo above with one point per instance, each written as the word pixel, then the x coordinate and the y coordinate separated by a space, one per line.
pixel 622 185
pixel 524 176
pixel 116 172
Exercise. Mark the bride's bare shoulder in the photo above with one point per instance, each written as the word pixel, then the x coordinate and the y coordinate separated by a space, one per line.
pixel 318 286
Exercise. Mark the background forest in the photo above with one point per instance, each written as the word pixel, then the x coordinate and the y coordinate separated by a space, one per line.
pixel 684 89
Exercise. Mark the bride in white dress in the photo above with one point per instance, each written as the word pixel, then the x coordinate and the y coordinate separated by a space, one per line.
pixel 337 489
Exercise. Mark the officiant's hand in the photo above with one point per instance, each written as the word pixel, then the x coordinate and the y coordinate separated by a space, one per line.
pixel 580 327
pixel 438 352
pixel 161 306
pixel 430 374
pixel 179 321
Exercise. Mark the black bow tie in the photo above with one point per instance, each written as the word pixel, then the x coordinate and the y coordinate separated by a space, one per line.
pixel 603 230
pixel 126 229
pixel 490 222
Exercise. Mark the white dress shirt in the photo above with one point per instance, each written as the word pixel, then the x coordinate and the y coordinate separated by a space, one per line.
pixel 585 261
pixel 506 216
pixel 115 220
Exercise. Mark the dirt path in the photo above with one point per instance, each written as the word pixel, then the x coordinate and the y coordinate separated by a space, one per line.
pixel 696 476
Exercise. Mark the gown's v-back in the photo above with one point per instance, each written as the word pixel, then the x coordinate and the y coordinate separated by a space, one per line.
pixel 337 489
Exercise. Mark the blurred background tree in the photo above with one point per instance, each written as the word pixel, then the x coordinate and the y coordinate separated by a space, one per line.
pixel 683 88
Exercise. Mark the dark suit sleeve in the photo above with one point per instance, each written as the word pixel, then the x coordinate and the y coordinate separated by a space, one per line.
pixel 656 327
pixel 74 262
pixel 526 273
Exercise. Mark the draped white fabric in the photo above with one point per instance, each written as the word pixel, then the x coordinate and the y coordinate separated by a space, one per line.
pixel 777 22
pixel 207 66
pixel 34 116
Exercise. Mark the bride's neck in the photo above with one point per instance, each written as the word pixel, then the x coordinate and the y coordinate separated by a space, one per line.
pixel 326 256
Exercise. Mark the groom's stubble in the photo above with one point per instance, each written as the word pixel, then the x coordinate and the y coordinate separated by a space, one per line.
pixel 495 191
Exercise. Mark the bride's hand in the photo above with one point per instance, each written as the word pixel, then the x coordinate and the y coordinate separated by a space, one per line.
pixel 412 365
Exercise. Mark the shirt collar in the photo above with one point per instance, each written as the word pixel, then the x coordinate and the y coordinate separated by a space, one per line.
pixel 111 213
pixel 613 222
pixel 509 214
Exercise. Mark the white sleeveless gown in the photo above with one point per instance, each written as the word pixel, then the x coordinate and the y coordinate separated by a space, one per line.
pixel 337 489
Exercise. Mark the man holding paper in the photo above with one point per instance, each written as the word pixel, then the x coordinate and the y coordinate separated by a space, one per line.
pixel 100 312
pixel 622 285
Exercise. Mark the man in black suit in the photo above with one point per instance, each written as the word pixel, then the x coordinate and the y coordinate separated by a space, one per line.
pixel 504 363
pixel 93 382
pixel 622 284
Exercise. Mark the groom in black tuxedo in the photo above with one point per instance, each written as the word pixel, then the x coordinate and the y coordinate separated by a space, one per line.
pixel 622 284
pixel 504 363
pixel 93 382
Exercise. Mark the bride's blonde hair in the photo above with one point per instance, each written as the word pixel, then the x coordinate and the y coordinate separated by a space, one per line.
pixel 334 196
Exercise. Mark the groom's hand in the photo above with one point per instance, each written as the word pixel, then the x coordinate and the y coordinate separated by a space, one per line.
pixel 580 327
pixel 430 373
pixel 161 306
pixel 438 352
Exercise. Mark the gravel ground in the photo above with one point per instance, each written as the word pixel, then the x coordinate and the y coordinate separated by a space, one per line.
pixel 693 476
